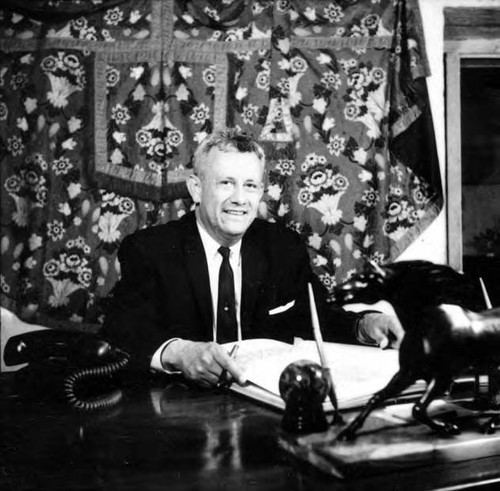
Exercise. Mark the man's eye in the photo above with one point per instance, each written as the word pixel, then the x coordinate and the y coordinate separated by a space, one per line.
pixel 225 183
pixel 251 186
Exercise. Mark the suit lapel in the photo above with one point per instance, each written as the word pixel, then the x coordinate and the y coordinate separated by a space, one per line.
pixel 254 266
pixel 196 265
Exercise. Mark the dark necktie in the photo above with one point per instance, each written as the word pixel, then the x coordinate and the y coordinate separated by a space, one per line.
pixel 226 306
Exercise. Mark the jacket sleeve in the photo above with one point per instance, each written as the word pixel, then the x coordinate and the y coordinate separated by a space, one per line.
pixel 133 319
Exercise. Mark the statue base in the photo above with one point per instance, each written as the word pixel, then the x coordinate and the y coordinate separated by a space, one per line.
pixel 391 441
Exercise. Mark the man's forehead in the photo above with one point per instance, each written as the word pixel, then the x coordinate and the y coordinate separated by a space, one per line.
pixel 233 161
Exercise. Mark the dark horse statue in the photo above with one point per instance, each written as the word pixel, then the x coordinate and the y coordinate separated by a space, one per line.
pixel 447 333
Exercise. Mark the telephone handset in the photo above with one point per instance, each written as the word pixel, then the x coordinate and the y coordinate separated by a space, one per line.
pixel 77 367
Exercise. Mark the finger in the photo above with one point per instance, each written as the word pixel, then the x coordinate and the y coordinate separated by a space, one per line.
pixel 397 329
pixel 204 383
pixel 209 372
pixel 383 342
pixel 203 377
pixel 236 372
pixel 379 335
pixel 396 343
pixel 396 333
pixel 214 374
pixel 230 365
pixel 210 365
pixel 203 368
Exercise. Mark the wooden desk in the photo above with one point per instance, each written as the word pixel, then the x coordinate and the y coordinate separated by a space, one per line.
pixel 175 438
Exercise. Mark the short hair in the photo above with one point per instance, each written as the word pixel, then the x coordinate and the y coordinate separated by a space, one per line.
pixel 227 140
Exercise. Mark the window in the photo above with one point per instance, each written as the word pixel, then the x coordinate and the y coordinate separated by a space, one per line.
pixel 472 57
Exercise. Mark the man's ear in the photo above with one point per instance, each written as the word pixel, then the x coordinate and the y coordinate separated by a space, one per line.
pixel 194 187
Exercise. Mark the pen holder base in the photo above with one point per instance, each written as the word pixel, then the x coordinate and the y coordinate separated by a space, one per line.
pixel 303 386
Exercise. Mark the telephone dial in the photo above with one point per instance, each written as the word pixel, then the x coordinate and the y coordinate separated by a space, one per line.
pixel 78 368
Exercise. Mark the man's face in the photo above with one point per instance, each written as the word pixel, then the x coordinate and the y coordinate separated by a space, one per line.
pixel 229 190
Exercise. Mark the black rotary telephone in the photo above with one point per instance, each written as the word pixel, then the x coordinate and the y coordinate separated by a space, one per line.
pixel 76 367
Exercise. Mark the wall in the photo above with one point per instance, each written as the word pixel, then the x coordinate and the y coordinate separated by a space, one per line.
pixel 432 243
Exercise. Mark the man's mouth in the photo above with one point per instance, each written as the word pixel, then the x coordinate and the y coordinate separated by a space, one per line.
pixel 235 212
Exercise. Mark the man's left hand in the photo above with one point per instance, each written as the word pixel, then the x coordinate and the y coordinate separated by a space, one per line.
pixel 383 329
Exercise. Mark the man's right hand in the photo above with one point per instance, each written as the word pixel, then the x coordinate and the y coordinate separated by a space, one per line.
pixel 201 362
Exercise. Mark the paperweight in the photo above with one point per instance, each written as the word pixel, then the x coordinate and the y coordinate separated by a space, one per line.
pixel 303 386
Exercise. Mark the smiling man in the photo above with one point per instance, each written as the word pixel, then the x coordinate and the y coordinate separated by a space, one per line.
pixel 227 183
pixel 220 274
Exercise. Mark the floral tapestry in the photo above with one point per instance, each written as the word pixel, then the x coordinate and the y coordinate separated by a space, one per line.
pixel 102 104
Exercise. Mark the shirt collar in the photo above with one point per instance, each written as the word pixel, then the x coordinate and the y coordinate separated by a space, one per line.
pixel 211 246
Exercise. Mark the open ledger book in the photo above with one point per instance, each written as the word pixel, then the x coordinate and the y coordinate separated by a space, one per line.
pixel 357 371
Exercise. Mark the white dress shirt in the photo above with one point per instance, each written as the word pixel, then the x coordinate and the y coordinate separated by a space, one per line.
pixel 214 260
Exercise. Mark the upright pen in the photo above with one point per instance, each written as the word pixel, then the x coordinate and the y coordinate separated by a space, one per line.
pixel 318 337
pixel 486 297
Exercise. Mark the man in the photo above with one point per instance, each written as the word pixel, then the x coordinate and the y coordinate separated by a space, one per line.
pixel 172 307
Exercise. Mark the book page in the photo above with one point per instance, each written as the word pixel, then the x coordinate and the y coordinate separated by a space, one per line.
pixel 251 352
pixel 357 371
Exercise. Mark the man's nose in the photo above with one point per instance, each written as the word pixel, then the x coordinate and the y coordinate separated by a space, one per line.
pixel 239 194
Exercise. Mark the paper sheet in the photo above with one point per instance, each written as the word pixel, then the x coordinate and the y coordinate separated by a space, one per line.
pixel 357 371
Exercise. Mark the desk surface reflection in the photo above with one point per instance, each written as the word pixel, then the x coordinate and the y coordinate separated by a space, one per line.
pixel 176 438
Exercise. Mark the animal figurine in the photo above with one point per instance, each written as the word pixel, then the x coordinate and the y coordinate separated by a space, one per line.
pixel 444 335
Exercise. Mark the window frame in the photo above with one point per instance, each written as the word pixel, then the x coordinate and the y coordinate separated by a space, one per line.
pixel 454 52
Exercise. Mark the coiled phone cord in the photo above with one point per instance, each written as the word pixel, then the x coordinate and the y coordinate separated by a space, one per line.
pixel 98 402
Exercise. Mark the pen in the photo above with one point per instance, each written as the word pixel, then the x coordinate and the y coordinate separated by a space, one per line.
pixel 224 382
pixel 486 297
pixel 322 357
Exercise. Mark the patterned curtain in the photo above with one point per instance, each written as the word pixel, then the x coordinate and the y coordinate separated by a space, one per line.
pixel 102 104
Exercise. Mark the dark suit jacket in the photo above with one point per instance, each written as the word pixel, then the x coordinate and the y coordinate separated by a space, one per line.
pixel 164 291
